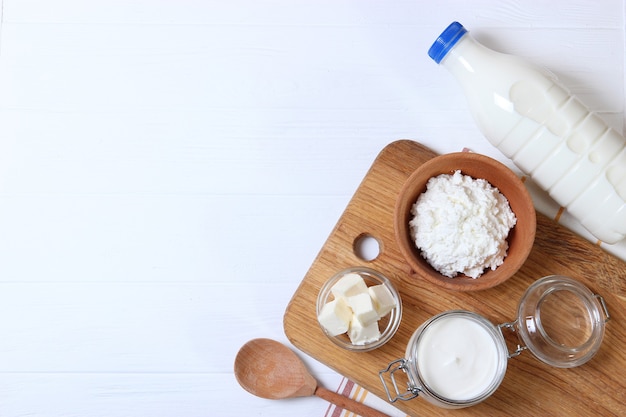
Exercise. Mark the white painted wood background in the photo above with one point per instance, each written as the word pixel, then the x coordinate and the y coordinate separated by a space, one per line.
pixel 169 170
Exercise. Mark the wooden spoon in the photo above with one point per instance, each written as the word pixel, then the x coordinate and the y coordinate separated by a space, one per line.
pixel 269 369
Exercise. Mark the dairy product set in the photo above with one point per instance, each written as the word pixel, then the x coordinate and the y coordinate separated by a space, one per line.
pixel 548 133
pixel 459 358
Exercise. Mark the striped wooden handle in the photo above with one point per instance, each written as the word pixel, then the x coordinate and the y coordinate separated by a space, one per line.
pixel 348 403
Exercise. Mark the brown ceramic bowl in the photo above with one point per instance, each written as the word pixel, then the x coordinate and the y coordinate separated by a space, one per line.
pixel 520 238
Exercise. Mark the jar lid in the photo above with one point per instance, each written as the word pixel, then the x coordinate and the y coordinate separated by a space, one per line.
pixel 561 321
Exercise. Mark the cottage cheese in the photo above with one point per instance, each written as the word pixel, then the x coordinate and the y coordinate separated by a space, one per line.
pixel 460 225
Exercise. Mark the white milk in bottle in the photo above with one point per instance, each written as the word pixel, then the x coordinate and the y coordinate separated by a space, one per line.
pixel 549 134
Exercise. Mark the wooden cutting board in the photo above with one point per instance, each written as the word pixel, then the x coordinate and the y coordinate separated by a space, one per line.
pixel 530 387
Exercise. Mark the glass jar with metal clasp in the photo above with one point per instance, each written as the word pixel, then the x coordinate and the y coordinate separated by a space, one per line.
pixel 459 358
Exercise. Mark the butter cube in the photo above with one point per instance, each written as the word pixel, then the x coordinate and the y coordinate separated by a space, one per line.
pixel 349 285
pixel 360 334
pixel 363 308
pixel 382 298
pixel 335 317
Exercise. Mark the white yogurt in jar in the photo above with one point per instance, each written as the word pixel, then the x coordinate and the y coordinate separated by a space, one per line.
pixel 458 358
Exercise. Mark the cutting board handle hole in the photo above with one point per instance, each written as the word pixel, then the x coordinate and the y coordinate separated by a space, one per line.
pixel 366 247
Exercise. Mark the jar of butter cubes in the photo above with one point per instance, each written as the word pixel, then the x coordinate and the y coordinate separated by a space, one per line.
pixel 459 358
pixel 359 309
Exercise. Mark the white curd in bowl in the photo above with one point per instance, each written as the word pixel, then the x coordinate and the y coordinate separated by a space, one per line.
pixel 461 225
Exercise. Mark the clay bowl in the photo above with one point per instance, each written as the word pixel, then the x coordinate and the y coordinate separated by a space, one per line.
pixel 520 238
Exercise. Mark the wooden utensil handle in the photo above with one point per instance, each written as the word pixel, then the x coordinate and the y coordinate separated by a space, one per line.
pixel 348 403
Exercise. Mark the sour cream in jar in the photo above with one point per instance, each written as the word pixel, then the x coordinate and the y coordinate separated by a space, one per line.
pixel 457 358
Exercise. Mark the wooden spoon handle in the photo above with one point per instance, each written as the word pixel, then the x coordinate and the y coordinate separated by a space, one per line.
pixel 348 403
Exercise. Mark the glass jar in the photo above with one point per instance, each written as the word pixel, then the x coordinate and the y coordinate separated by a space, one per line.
pixel 388 324
pixel 459 358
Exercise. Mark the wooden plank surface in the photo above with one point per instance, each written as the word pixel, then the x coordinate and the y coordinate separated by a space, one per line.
pixel 530 387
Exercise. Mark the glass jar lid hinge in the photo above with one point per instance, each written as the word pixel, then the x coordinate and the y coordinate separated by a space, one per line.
pixel 395 366
pixel 511 327
pixel 603 304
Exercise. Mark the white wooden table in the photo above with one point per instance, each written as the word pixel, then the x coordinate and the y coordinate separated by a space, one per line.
pixel 169 170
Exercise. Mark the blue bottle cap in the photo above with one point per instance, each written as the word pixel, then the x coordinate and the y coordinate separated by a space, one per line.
pixel 446 41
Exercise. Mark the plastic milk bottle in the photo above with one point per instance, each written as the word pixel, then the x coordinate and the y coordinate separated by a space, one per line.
pixel 549 134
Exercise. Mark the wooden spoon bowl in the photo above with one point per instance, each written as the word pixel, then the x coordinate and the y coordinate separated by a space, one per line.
pixel 269 369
